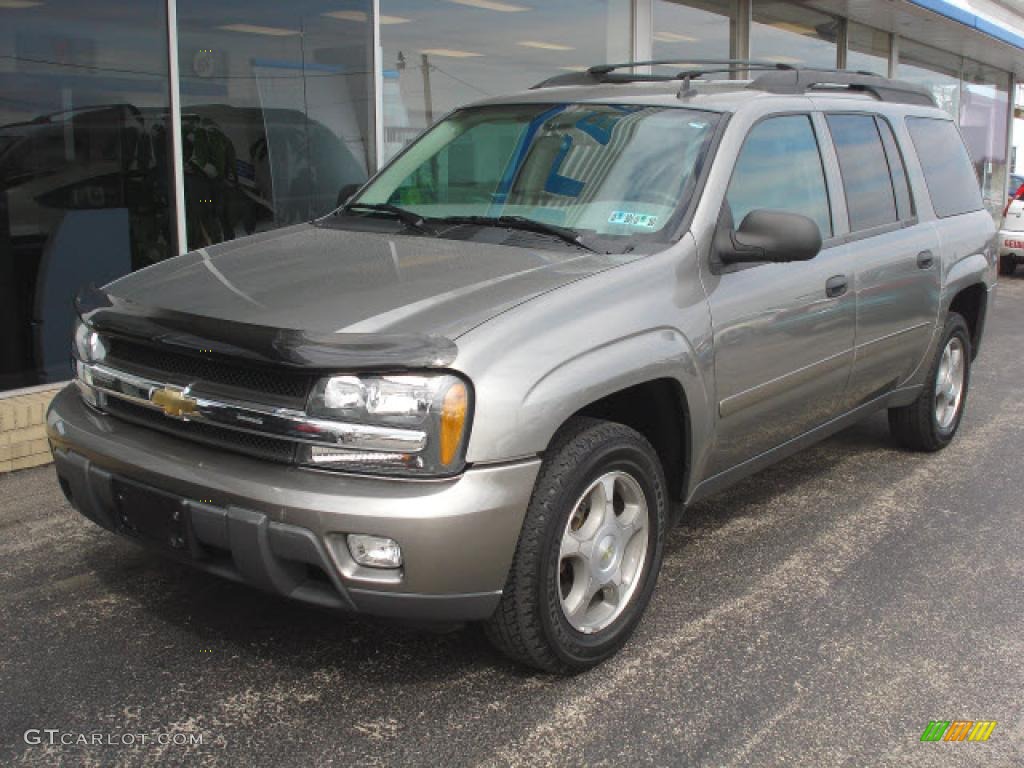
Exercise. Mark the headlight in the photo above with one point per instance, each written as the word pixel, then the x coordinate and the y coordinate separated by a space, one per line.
pixel 89 347
pixel 416 425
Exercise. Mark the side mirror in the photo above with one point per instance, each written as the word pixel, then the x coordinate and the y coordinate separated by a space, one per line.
pixel 346 192
pixel 773 236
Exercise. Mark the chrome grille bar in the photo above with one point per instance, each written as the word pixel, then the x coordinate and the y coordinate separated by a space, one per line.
pixel 283 423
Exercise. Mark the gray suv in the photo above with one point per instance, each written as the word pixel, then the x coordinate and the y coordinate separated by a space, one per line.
pixel 479 389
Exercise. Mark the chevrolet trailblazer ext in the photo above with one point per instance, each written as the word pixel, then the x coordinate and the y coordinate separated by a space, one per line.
pixel 477 390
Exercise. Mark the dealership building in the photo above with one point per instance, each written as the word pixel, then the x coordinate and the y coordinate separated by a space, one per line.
pixel 133 130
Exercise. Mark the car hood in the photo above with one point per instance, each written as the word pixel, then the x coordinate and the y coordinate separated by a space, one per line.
pixel 328 280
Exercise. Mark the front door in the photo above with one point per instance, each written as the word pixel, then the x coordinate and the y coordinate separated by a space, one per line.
pixel 783 333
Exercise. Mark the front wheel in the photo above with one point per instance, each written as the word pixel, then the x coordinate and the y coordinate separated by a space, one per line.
pixel 589 552
pixel 1007 265
pixel 931 421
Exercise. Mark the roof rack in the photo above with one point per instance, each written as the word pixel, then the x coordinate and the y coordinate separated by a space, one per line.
pixel 798 80
pixel 608 73
pixel 774 77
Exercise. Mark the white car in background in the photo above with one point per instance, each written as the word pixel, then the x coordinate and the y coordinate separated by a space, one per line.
pixel 1011 234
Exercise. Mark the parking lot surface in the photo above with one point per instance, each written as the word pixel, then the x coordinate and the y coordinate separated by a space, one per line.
pixel 819 614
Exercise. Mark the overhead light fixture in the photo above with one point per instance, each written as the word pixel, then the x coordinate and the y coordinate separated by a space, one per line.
pixel 792 26
pixel 784 59
pixel 16 5
pixel 254 29
pixel 450 53
pixel 673 37
pixel 577 68
pixel 545 46
pixel 363 17
pixel 492 5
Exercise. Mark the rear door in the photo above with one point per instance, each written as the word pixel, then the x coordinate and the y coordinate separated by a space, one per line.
pixel 895 256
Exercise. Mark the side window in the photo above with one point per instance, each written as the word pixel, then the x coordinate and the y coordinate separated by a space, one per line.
pixel 780 168
pixel 904 201
pixel 952 183
pixel 870 198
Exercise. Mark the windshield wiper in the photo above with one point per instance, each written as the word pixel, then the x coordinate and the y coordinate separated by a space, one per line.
pixel 407 217
pixel 565 234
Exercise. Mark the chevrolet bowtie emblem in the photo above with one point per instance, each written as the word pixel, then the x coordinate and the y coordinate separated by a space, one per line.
pixel 174 402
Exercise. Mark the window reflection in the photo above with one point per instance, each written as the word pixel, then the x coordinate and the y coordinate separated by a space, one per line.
pixel 698 29
pixel 445 54
pixel 936 70
pixel 867 49
pixel 792 33
pixel 984 115
pixel 84 188
pixel 276 111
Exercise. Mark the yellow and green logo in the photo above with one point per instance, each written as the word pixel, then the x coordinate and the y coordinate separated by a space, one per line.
pixel 958 730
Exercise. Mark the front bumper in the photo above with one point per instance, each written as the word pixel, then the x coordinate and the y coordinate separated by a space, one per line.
pixel 282 528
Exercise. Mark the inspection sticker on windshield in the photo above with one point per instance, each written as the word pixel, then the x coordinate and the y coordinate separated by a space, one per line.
pixel 633 219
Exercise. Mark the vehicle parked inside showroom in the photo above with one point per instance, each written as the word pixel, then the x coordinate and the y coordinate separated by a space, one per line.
pixel 483 388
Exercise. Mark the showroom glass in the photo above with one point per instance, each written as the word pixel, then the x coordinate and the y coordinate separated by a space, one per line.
pixel 697 29
pixel 780 168
pixel 276 109
pixel 791 33
pixel 867 49
pixel 446 54
pixel 951 181
pixel 936 70
pixel 870 197
pixel 614 171
pixel 83 166
pixel 984 114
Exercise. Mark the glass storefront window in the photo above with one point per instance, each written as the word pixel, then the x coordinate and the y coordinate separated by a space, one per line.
pixel 984 117
pixel 277 108
pixel 84 186
pixel 445 54
pixel 867 49
pixel 792 33
pixel 698 29
pixel 937 70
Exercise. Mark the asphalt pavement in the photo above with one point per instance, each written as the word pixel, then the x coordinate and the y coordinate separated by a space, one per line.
pixel 819 614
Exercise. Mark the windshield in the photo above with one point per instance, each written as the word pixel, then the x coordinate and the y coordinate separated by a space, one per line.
pixel 611 171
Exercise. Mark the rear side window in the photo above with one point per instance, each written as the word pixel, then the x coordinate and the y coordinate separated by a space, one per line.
pixel 948 172
pixel 870 198
pixel 780 168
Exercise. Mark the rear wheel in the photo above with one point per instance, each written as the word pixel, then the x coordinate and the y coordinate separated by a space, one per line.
pixel 589 553
pixel 1007 265
pixel 931 421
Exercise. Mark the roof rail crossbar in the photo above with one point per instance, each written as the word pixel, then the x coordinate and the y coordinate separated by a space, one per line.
pixel 801 81
pixel 608 73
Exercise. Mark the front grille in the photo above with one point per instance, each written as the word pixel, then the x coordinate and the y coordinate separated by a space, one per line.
pixel 258 446
pixel 164 363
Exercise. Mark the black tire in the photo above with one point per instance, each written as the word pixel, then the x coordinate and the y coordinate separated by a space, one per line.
pixel 916 426
pixel 1007 265
pixel 529 624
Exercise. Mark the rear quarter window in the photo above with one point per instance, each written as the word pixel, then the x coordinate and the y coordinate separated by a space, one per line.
pixel 952 183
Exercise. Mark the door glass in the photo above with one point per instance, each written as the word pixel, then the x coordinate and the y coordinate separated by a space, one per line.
pixel 277 109
pixel 780 168
pixel 84 189
pixel 870 199
pixel 904 200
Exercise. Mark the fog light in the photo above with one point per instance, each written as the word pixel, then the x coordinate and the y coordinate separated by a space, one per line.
pixel 374 551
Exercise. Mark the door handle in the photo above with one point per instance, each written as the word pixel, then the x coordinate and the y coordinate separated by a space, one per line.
pixel 925 259
pixel 836 286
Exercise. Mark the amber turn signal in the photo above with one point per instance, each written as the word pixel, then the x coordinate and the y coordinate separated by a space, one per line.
pixel 453 420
